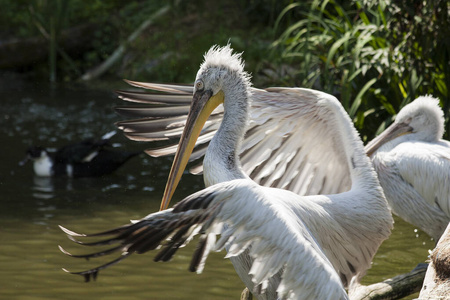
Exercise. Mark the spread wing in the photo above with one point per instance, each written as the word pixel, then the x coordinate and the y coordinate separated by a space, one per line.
pixel 287 138
pixel 277 239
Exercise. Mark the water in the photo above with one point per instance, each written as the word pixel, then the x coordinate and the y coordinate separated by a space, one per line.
pixel 31 208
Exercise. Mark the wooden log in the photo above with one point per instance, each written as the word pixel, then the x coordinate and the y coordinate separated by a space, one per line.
pixel 437 280
pixel 394 288
pixel 390 289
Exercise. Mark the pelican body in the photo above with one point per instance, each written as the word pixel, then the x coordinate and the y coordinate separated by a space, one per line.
pixel 413 165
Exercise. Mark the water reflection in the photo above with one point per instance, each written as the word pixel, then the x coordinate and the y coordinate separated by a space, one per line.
pixel 32 207
pixel 43 187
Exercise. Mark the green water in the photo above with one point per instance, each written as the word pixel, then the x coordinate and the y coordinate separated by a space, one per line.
pixel 31 208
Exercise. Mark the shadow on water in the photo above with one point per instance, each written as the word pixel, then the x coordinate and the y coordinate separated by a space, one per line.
pixel 32 207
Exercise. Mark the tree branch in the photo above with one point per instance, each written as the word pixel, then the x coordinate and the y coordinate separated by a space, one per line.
pixel 393 288
pixel 118 53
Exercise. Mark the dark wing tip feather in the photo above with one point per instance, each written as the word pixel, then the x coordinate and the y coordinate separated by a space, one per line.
pixel 195 201
pixel 198 254
pixel 162 151
pixel 176 241
pixel 110 241
pixel 92 255
pixel 113 231
pixel 150 240
pixel 181 89
pixel 64 251
pixel 92 273
pixel 86 274
pixel 70 232
pixel 165 254
pixel 170 231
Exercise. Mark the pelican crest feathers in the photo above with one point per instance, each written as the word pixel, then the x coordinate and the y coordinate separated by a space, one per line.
pixel 224 58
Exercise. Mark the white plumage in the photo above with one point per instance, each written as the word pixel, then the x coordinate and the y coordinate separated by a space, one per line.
pixel 296 139
pixel 277 238
pixel 413 165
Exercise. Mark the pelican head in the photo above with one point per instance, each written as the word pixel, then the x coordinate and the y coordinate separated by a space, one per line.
pixel 420 120
pixel 220 80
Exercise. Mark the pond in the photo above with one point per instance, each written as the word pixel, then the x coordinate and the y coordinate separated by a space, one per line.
pixel 31 209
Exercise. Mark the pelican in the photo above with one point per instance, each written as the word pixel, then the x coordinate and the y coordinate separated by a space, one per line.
pixel 413 165
pixel 310 138
pixel 318 152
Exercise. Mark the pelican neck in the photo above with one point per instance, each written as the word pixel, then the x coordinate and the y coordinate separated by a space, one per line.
pixel 221 161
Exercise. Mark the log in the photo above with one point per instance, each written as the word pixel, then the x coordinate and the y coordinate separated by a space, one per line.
pixel 394 288
pixel 390 289
pixel 118 53
pixel 437 280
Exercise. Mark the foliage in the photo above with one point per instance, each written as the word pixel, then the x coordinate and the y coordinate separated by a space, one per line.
pixel 162 53
pixel 376 57
pixel 113 21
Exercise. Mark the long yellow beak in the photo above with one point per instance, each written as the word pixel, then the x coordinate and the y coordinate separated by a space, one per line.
pixel 393 131
pixel 203 104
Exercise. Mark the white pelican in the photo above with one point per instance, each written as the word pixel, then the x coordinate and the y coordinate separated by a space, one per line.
pixel 314 146
pixel 413 165
pixel 436 284
pixel 278 239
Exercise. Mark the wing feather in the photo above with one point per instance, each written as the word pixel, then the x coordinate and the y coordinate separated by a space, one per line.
pixel 152 112
pixel 153 98
pixel 257 219
pixel 287 139
pixel 427 168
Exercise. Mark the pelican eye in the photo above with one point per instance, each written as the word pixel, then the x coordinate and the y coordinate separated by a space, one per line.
pixel 199 85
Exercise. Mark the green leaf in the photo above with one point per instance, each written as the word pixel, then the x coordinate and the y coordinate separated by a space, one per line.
pixel 358 99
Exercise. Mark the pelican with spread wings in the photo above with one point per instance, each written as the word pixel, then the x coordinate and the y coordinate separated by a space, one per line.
pixel 318 177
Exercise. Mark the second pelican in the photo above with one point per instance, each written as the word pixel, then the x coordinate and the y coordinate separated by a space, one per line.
pixel 413 165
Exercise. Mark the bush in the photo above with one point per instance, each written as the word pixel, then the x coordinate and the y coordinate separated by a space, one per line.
pixel 375 57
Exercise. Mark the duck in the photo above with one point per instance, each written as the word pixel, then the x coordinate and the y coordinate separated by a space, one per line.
pixel 87 158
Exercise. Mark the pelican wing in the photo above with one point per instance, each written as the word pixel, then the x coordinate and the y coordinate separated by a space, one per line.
pixel 416 175
pixel 289 134
pixel 269 228
pixel 427 168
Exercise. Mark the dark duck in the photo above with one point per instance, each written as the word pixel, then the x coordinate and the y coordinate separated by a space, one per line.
pixel 88 158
